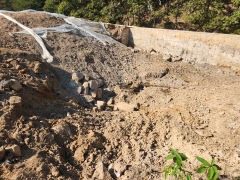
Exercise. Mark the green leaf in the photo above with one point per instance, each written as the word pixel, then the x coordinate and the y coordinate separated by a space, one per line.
pixel 174 172
pixel 215 173
pixel 179 162
pixel 166 173
pixel 188 177
pixel 210 173
pixel 183 156
pixel 203 161
pixel 212 163
pixel 170 156
pixel 173 151
pixel 201 170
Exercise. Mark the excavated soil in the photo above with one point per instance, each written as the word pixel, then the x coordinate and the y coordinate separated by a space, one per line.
pixel 157 104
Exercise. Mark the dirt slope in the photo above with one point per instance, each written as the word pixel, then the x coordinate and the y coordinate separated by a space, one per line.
pixel 157 104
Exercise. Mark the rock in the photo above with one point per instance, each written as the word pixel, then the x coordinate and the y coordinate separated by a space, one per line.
pixel 77 76
pixel 38 68
pixel 123 106
pixel 86 88
pixel 16 150
pixel 2 153
pixel 101 172
pixel 62 129
pixel 176 58
pixel 79 153
pixel 93 84
pixel 94 93
pixel 80 89
pixel 15 100
pixel 27 141
pixel 110 102
pixel 167 57
pixel 100 105
pixel 10 84
pixel 15 85
pixel 119 168
pixel 99 93
pixel 55 172
pixel 100 83
pixel 89 99
pixel 87 78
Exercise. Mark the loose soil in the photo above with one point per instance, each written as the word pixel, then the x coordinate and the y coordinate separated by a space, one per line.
pixel 192 108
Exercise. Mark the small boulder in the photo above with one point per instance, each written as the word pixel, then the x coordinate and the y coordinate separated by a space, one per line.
pixel 38 67
pixel 55 172
pixel 2 153
pixel 101 172
pixel 100 105
pixel 80 89
pixel 77 76
pixel 15 100
pixel 62 129
pixel 110 101
pixel 16 150
pixel 15 85
pixel 93 84
pixel 123 106
pixel 100 83
pixel 99 93
pixel 86 88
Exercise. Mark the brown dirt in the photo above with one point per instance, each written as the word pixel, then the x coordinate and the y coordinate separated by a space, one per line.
pixel 194 109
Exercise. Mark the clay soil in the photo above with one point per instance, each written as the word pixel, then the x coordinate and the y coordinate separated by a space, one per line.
pixel 192 108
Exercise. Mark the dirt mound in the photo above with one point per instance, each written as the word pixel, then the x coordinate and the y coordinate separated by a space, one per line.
pixel 54 124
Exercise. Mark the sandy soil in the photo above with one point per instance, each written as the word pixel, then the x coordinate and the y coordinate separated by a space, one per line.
pixel 192 108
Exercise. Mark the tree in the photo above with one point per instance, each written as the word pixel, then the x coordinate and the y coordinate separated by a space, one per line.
pixel 19 5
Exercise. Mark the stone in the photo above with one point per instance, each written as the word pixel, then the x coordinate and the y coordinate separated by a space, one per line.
pixel 2 153
pixel 16 150
pixel 86 88
pixel 176 58
pixel 15 85
pixel 101 172
pixel 123 106
pixel 38 68
pixel 88 98
pixel 100 105
pixel 93 84
pixel 55 172
pixel 27 141
pixel 119 168
pixel 167 57
pixel 15 100
pixel 110 101
pixel 80 89
pixel 79 153
pixel 94 93
pixel 62 129
pixel 100 83
pixel 99 93
pixel 77 76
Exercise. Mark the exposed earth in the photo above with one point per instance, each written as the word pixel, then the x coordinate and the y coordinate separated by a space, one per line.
pixel 109 111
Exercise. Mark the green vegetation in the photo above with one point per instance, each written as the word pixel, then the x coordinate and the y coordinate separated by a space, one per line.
pixel 210 169
pixel 177 170
pixel 198 15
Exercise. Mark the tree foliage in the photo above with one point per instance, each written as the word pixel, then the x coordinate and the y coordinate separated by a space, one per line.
pixel 199 15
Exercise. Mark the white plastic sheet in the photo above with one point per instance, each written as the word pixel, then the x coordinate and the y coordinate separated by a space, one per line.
pixel 46 55
pixel 95 30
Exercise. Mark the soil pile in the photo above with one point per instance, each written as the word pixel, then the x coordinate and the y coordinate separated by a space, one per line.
pixel 55 125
